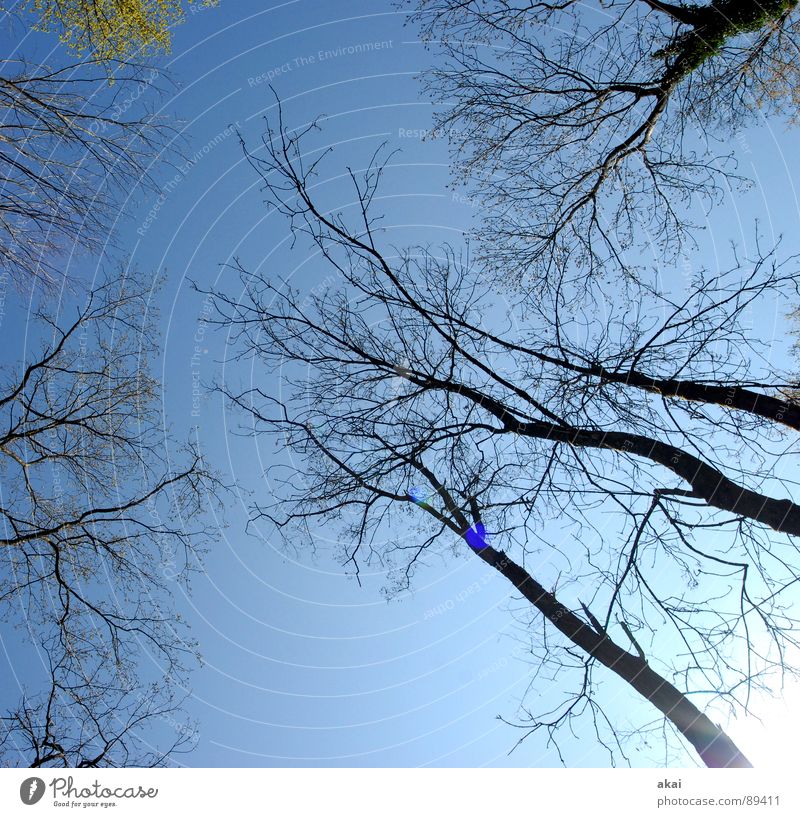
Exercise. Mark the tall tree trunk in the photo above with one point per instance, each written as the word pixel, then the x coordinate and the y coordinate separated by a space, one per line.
pixel 715 748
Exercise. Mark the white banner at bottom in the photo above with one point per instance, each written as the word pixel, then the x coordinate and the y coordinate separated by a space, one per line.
pixel 398 792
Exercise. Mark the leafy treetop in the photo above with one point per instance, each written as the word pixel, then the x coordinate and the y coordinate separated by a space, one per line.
pixel 111 29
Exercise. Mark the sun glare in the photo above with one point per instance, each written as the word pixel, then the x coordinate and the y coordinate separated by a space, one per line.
pixel 769 736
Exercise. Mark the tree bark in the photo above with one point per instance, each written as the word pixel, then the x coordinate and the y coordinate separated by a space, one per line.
pixel 715 748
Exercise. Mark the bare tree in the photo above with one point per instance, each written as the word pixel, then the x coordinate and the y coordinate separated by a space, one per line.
pixel 95 719
pixel 652 429
pixel 71 149
pixel 99 515
pixel 588 130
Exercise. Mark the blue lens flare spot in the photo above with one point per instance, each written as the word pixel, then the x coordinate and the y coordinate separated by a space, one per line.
pixel 418 495
pixel 476 536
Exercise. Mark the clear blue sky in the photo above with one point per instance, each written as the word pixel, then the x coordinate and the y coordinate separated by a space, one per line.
pixel 301 665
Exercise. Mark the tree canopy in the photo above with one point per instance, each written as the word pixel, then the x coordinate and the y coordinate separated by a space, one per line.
pixel 588 130
pixel 110 30
pixel 101 509
pixel 98 521
pixel 71 151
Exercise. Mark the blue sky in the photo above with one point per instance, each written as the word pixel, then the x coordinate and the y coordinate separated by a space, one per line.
pixel 301 665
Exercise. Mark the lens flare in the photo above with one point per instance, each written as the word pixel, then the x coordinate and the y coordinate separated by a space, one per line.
pixel 418 495
pixel 476 536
